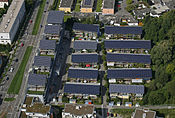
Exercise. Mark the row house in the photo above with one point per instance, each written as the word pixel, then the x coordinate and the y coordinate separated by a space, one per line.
pixel 108 7
pixel 87 6
pixel 66 5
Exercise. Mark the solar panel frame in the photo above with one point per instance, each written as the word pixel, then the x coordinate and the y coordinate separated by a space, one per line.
pixel 84 58
pixel 78 45
pixel 47 44
pixel 37 79
pixel 55 17
pixel 86 27
pixel 42 61
pixel 52 29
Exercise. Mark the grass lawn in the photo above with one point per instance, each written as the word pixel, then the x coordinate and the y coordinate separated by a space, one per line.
pixel 36 92
pixel 99 5
pixel 52 56
pixel 58 5
pixel 77 7
pixel 166 113
pixel 125 113
pixel 38 17
pixel 17 80
pixel 9 99
pixel 66 17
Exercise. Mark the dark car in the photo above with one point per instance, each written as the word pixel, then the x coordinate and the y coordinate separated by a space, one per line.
pixel 16 60
pixel 7 78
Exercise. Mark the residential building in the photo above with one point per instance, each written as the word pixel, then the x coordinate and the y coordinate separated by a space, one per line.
pixel 83 75
pixel 84 90
pixel 32 107
pixel 3 2
pixel 87 6
pixel 66 5
pixel 78 111
pixel 136 75
pixel 47 47
pixel 85 60
pixel 36 82
pixel 42 64
pixel 84 46
pixel 87 31
pixel 53 32
pixel 141 13
pixel 11 21
pixel 55 18
pixel 112 32
pixel 144 113
pixel 108 7
pixel 125 91
pixel 158 10
pixel 128 60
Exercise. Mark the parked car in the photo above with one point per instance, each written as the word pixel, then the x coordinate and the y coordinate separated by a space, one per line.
pixel 11 69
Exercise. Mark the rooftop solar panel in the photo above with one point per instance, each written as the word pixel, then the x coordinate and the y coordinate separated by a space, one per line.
pixel 42 61
pixel 37 79
pixel 123 88
pixel 55 17
pixel 86 27
pixel 80 88
pixel 84 58
pixel 87 2
pixel 83 73
pixel 78 45
pixel 123 30
pixel 52 29
pixel 127 44
pixel 128 58
pixel 129 73
pixel 47 44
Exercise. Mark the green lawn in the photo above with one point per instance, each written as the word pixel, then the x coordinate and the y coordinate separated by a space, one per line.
pixel 9 99
pixel 77 7
pixel 125 113
pixel 58 4
pixel 17 80
pixel 36 92
pixel 99 5
pixel 38 18
pixel 66 17
pixel 166 113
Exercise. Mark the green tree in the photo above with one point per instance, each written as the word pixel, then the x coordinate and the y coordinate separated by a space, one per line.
pixel 128 2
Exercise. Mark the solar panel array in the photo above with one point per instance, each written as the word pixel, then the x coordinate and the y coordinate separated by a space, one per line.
pixel 37 79
pixel 128 58
pixel 83 73
pixel 84 58
pixel 123 30
pixel 42 61
pixel 129 73
pixel 82 89
pixel 47 44
pixel 52 29
pixel 127 44
pixel 78 45
pixel 122 88
pixel 87 2
pixel 86 27
pixel 55 17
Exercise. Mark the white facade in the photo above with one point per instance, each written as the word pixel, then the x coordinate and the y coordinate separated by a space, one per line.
pixel 11 21
pixel 2 3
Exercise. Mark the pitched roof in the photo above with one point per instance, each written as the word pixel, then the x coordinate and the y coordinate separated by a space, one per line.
pixel 81 110
pixel 47 44
pixel 66 3
pixel 42 61
pixel 123 30
pixel 87 4
pixel 82 88
pixel 141 112
pixel 123 88
pixel 83 73
pixel 52 29
pixel 86 27
pixel 128 58
pixel 129 73
pixel 108 4
pixel 127 44
pixel 55 17
pixel 85 45
pixel 37 79
pixel 84 58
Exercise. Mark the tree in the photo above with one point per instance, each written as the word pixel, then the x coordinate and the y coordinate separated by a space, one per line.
pixel 156 98
pixel 128 2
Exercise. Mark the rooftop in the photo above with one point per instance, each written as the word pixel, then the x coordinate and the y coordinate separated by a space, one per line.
pixel 47 44
pixel 52 29
pixel 127 44
pixel 66 3
pixel 84 58
pixel 109 4
pixel 37 79
pixel 3 0
pixel 79 110
pixel 38 108
pixel 10 17
pixel 87 4
pixel 129 73
pixel 82 88
pixel 85 45
pixel 55 17
pixel 86 27
pixel 144 113
pixel 159 8
pixel 84 73
pixel 128 58
pixel 123 30
pixel 123 88
pixel 42 61
pixel 28 100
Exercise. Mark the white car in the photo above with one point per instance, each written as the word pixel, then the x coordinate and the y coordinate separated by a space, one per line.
pixel 11 69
